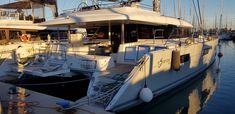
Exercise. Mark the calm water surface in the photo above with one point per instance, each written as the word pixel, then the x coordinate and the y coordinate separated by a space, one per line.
pixel 223 100
pixel 209 93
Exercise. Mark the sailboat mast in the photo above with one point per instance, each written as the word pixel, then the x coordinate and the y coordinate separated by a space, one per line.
pixel 215 22
pixel 221 15
pixel 174 8
pixel 179 8
pixel 56 9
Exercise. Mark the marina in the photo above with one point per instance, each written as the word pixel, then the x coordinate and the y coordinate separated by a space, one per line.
pixel 111 57
pixel 219 85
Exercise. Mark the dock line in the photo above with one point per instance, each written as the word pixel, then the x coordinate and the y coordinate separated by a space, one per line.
pixel 53 83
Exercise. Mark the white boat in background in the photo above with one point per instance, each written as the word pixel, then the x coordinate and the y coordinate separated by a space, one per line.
pixel 52 63
pixel 21 36
pixel 133 53
pixel 22 17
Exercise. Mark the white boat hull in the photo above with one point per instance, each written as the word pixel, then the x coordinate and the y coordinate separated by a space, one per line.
pixel 160 77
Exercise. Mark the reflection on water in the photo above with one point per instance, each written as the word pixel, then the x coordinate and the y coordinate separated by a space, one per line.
pixel 223 101
pixel 16 103
pixel 189 98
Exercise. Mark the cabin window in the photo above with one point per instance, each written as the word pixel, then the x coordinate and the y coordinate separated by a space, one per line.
pixel 184 58
pixel 15 34
pixel 181 33
pixel 131 33
pixel 33 35
pixel 142 50
pixel 98 32
pixel 2 34
pixel 130 54
pixel 115 37
pixel 54 34
pixel 159 34
pixel 145 32
pixel 205 51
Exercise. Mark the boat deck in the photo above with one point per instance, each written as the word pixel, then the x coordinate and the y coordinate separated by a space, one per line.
pixel 33 102
pixel 120 68
pixel 117 72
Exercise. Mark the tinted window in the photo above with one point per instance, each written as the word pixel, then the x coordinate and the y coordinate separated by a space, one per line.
pixel 184 58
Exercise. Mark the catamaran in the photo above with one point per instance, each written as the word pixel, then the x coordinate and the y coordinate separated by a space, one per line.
pixel 134 54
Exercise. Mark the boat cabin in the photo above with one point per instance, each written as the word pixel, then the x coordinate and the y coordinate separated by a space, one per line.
pixel 21 17
pixel 27 10
pixel 124 32
pixel 132 33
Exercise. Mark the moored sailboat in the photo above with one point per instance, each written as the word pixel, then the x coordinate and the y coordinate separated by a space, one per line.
pixel 134 54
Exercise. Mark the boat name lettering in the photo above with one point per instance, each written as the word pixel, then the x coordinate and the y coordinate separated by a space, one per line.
pixel 163 61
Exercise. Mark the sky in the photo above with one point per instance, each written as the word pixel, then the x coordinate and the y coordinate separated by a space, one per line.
pixel 210 8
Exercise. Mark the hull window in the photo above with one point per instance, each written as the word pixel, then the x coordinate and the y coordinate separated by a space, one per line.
pixel 184 58
pixel 205 51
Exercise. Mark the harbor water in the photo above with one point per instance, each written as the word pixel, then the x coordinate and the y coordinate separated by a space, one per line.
pixel 211 92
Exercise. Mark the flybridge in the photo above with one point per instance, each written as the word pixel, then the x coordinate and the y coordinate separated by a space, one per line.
pixel 104 4
pixel 27 4
pixel 20 9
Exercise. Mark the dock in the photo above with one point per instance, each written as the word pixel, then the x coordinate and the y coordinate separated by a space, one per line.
pixel 22 101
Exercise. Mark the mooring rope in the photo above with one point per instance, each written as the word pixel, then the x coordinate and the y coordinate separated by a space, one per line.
pixel 53 83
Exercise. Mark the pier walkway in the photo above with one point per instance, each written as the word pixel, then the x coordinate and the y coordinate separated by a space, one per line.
pixel 28 102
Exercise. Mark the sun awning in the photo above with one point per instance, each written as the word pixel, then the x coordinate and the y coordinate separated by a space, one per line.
pixel 48 2
pixel 26 4
pixel 122 14
pixel 17 5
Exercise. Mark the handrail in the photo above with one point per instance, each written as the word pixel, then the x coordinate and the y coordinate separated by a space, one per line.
pixel 141 64
pixel 105 6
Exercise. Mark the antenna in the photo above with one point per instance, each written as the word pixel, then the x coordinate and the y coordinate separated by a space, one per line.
pixel 179 8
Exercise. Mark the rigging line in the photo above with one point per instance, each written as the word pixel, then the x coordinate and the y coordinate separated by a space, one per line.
pixel 196 11
pixel 199 11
